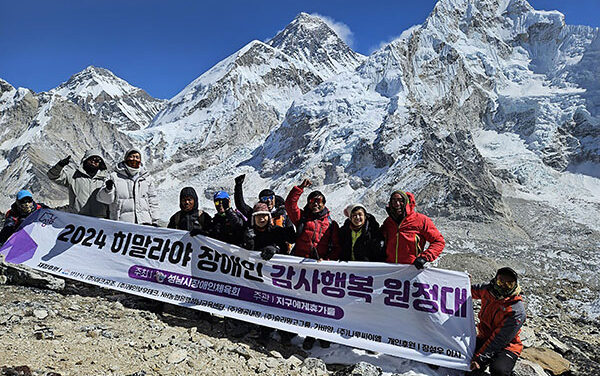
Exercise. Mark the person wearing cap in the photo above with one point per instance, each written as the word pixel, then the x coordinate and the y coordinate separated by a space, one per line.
pixel 501 317
pixel 228 223
pixel 264 237
pixel 190 218
pixel 360 239
pixel 317 234
pixel 83 182
pixel 23 206
pixel 129 192
pixel 279 216
pixel 406 232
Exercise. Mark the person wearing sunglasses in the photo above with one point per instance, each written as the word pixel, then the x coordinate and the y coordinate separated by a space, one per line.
pixel 276 207
pixel 228 223
pixel 501 317
pixel 83 182
pixel 129 191
pixel 23 206
pixel 406 233
pixel 317 234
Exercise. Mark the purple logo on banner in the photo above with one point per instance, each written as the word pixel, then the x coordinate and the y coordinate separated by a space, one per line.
pixel 19 248
pixel 237 292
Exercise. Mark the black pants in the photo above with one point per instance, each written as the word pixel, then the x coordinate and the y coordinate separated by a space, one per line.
pixel 502 364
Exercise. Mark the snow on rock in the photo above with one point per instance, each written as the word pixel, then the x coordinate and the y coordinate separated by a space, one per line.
pixel 99 92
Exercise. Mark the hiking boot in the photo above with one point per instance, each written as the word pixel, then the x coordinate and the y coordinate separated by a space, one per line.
pixel 308 343
pixel 324 344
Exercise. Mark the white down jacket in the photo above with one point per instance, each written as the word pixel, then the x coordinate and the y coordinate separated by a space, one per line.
pixel 133 198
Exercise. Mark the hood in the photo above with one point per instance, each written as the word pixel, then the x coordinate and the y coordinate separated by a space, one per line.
pixel 189 191
pixel 409 209
pixel 94 153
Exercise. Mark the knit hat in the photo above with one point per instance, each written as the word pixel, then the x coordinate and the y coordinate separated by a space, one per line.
pixel 350 208
pixel 261 208
pixel 401 193
pixel 314 194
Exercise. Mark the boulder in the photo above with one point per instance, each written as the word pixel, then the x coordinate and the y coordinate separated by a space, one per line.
pixel 526 368
pixel 25 276
pixel 550 360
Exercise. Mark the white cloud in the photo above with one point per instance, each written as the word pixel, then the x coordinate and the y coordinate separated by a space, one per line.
pixel 341 29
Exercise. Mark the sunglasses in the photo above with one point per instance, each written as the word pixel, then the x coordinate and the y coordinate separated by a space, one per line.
pixel 26 200
pixel 507 285
pixel 220 202
pixel 266 198
pixel 95 160
pixel 317 200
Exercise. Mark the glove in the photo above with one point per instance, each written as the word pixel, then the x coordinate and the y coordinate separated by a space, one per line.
pixel 419 262
pixel 268 252
pixel 65 161
pixel 109 185
pixel 196 232
pixel 240 179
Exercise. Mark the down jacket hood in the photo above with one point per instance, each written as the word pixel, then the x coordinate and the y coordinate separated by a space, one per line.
pixel 94 153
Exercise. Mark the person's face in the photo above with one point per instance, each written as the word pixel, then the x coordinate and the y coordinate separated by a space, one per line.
pixel 397 203
pixel 261 220
pixel 133 160
pixel 358 217
pixel 221 205
pixel 186 203
pixel 269 200
pixel 93 162
pixel 316 204
pixel 25 205
pixel 505 282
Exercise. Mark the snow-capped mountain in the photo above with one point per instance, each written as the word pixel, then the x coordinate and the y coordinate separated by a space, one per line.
pixel 238 101
pixel 99 92
pixel 310 40
pixel 40 129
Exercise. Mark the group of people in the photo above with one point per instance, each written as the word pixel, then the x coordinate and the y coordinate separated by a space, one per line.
pixel 277 226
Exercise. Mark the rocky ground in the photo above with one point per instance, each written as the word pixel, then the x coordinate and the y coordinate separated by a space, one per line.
pixel 86 330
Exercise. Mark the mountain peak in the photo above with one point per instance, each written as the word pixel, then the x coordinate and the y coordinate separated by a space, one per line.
pixel 310 40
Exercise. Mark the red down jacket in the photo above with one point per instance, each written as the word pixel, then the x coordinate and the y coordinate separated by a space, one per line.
pixel 500 322
pixel 405 241
pixel 317 234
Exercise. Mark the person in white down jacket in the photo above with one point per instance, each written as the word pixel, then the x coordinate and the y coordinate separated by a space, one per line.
pixel 130 192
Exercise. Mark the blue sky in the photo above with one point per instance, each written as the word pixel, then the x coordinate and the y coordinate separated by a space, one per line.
pixel 161 46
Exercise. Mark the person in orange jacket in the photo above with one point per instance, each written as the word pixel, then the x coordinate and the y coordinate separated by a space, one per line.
pixel 500 319
pixel 405 233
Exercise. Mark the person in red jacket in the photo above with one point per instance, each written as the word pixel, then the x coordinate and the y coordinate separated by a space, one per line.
pixel 500 319
pixel 405 232
pixel 317 234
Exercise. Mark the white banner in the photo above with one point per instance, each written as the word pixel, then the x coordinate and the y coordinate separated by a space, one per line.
pixel 394 309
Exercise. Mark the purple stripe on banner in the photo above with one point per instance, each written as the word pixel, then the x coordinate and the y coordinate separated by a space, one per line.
pixel 19 248
pixel 237 292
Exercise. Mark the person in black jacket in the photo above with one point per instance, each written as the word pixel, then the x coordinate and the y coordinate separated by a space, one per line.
pixel 264 237
pixel 23 206
pixel 360 238
pixel 228 224
pixel 190 218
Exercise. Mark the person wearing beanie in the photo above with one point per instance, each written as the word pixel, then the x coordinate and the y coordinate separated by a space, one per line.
pixel 190 218
pixel 263 236
pixel 83 183
pixel 360 239
pixel 22 208
pixel 129 192
pixel 406 232
pixel 317 234
pixel 501 317
pixel 228 223
pixel 279 216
